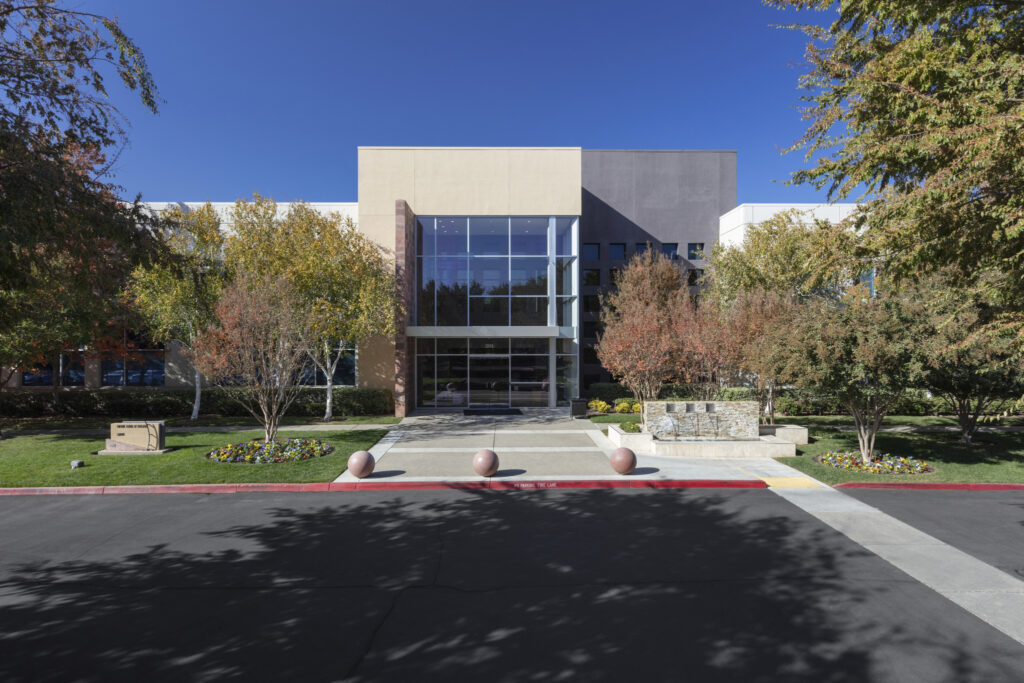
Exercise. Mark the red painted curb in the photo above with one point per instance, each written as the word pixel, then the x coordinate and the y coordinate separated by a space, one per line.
pixel 929 486
pixel 491 484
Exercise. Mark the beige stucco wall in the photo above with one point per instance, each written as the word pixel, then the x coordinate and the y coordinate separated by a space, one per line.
pixel 457 181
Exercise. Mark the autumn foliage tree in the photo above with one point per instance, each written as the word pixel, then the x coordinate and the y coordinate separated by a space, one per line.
pixel 640 343
pixel 256 347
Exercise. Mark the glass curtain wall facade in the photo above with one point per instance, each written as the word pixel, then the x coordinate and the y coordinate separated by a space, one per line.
pixel 496 272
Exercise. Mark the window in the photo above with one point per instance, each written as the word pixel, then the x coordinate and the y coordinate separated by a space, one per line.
pixel 694 277
pixel 590 330
pixel 592 251
pixel 592 277
pixel 591 303
pixel 670 250
pixel 590 356
pixel 695 250
pixel 617 251
pixel 641 247
pixel 474 270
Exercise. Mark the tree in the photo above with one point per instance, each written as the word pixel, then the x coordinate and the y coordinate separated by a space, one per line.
pixel 640 344
pixel 177 300
pixel 343 281
pixel 789 254
pixel 256 347
pixel 56 124
pixel 859 349
pixel 971 364
pixel 919 106
pixel 756 321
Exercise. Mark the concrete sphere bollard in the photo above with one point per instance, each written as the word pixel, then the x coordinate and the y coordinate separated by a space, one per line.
pixel 360 464
pixel 485 462
pixel 623 461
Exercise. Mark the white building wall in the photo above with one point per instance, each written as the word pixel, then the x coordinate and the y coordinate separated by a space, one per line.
pixel 733 225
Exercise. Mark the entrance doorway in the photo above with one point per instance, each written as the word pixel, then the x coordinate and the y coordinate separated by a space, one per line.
pixel 488 381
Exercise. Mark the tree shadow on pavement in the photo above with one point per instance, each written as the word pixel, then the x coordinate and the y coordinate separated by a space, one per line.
pixel 456 585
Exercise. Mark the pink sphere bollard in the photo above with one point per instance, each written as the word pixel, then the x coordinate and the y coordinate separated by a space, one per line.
pixel 623 461
pixel 485 462
pixel 360 464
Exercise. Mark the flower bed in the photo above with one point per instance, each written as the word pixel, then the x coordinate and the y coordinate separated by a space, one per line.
pixel 881 463
pixel 259 453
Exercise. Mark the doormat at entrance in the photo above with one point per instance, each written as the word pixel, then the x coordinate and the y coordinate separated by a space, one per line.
pixel 492 411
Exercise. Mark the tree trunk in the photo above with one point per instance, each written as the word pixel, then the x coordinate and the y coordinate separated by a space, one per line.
pixel 771 402
pixel 195 403
pixel 329 412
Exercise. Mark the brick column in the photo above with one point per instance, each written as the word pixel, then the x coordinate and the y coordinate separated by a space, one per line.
pixel 405 276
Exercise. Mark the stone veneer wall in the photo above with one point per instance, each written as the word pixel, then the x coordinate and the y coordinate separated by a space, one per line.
pixel 702 419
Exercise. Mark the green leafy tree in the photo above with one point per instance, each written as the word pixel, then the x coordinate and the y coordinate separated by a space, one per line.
pixel 63 230
pixel 970 363
pixel 788 254
pixel 343 280
pixel 919 107
pixel 860 350
pixel 177 299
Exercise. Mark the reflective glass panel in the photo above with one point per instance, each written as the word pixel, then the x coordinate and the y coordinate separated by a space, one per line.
pixel 451 236
pixel 426 386
pixel 591 251
pixel 591 303
pixel 529 311
pixel 452 345
pixel 497 345
pixel 564 281
pixel 529 236
pixel 592 277
pixel 452 276
pixel 564 245
pixel 451 381
pixel 529 345
pixel 488 275
pixel 40 376
pixel 529 368
pixel 488 310
pixel 488 381
pixel 564 311
pixel 529 276
pixel 528 394
pixel 565 374
pixel 617 251
pixel 488 235
pixel 425 291
pixel 566 345
pixel 424 345
pixel 425 236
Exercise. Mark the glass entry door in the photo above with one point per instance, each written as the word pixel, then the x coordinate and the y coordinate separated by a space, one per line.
pixel 488 381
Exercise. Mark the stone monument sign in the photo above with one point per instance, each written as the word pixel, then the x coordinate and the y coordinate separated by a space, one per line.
pixel 136 436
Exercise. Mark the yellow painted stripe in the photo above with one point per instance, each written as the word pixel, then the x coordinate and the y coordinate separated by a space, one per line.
pixel 791 483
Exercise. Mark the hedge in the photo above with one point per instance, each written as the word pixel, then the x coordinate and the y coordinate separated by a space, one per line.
pixel 162 403
pixel 787 401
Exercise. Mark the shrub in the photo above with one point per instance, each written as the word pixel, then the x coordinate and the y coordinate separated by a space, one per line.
pixel 623 408
pixel 638 408
pixel 262 453
pixel 631 427
pixel 608 391
pixel 600 406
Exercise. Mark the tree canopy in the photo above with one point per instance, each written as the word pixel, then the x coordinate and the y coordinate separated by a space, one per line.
pixel 66 238
pixel 917 108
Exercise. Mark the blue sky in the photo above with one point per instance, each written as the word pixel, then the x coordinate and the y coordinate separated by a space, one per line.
pixel 275 97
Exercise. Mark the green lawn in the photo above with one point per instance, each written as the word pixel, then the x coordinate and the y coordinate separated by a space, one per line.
pixel 914 420
pixel 615 418
pixel 45 460
pixel 26 423
pixel 992 458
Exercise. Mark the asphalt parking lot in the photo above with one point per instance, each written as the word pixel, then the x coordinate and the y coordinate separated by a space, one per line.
pixel 466 585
